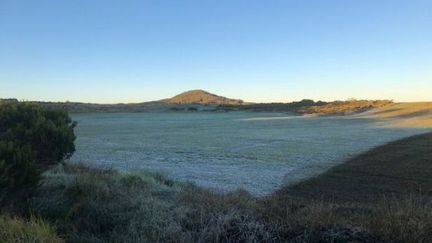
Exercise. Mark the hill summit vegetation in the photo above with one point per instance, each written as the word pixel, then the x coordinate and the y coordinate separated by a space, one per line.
pixel 201 97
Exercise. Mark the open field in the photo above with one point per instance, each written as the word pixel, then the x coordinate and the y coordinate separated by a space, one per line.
pixel 257 152
pixel 381 195
pixel 94 205
pixel 415 114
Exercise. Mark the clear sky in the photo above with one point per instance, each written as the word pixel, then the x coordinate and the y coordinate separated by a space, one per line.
pixel 130 51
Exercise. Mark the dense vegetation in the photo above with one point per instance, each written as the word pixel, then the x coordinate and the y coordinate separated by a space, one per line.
pixel 374 197
pixel 344 107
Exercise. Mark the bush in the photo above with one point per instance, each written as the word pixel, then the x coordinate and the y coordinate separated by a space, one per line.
pixel 18 167
pixel 31 140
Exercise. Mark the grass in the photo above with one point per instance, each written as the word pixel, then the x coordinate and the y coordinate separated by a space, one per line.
pixel 19 230
pixel 373 197
pixel 403 220
pixel 92 205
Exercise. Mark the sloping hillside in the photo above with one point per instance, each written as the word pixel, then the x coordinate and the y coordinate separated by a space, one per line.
pixel 394 169
pixel 201 97
pixel 192 97
pixel 345 107
pixel 417 114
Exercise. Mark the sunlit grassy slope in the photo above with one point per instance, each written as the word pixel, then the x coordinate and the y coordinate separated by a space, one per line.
pixel 418 114
pixel 345 107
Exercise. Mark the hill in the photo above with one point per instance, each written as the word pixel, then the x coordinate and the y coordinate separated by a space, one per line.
pixel 201 97
pixel 345 107
pixel 415 114
pixel 189 100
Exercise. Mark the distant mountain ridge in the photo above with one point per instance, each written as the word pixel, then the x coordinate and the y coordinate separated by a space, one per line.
pixel 201 97
pixel 200 100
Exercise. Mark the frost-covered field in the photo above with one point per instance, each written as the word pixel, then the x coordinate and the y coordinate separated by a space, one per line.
pixel 254 151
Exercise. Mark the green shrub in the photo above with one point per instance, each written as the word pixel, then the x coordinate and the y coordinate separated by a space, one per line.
pixel 49 132
pixel 18 167
pixel 31 140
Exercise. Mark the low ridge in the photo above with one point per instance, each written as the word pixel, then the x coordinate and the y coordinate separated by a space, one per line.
pixel 201 97
pixel 410 114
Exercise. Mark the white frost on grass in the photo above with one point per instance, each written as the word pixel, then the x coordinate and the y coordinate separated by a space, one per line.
pixel 282 117
pixel 221 150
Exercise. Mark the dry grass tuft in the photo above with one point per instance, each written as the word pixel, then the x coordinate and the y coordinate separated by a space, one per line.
pixel 402 220
pixel 33 230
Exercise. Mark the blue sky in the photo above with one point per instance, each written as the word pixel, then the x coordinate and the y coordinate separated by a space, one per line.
pixel 132 51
